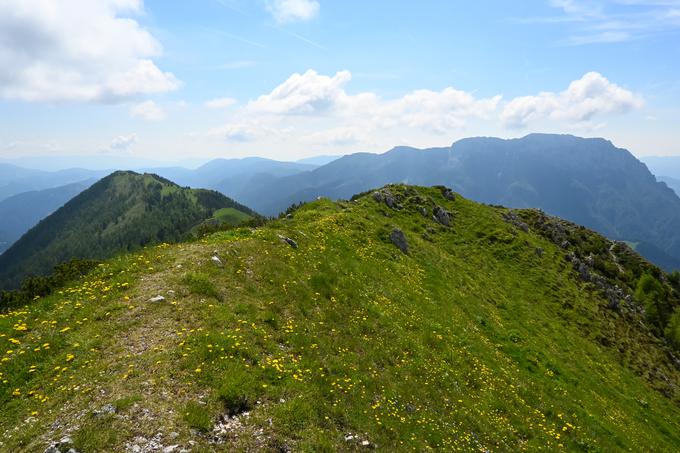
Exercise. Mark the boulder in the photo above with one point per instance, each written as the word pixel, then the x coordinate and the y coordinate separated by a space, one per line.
pixel 442 216
pixel 448 194
pixel 399 240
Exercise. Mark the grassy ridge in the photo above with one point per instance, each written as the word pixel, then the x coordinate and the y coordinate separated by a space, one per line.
pixel 472 340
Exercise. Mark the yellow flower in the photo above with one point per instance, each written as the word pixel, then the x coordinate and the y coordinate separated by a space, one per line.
pixel 69 357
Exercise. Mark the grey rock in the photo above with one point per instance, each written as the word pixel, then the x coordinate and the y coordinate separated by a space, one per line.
pixel 448 194
pixel 422 210
pixel 442 216
pixel 105 409
pixel 216 260
pixel 289 241
pixel 399 240
pixel 539 252
pixel 158 298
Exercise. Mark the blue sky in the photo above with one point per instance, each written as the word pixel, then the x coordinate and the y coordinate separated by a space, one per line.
pixel 286 79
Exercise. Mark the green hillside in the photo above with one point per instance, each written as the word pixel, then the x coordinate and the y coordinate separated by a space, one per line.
pixel 121 212
pixel 503 331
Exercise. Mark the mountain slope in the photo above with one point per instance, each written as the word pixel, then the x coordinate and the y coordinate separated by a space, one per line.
pixel 673 183
pixel 588 181
pixel 489 334
pixel 23 211
pixel 123 211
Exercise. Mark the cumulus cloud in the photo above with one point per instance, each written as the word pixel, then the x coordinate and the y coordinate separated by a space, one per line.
pixel 315 94
pixel 78 50
pixel 322 111
pixel 123 142
pixel 293 10
pixel 220 103
pixel 589 97
pixel 437 111
pixel 308 93
pixel 148 110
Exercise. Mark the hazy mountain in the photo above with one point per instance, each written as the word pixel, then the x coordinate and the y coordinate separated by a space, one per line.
pixel 100 161
pixel 588 181
pixel 15 180
pixel 21 212
pixel 381 330
pixel 671 182
pixel 123 211
pixel 228 175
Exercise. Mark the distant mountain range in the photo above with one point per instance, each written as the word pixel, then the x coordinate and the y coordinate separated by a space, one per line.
pixel 19 213
pixel 15 180
pixel 123 211
pixel 587 181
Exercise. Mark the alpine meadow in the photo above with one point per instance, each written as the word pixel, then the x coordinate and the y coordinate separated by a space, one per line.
pixel 319 226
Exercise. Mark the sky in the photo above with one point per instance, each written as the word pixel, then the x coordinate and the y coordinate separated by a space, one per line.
pixel 289 79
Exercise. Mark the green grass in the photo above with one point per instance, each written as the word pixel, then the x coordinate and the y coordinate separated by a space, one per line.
pixel 471 341
pixel 197 417
pixel 231 216
pixel 199 283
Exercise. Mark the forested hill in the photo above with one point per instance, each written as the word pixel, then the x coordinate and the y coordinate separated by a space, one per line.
pixel 124 211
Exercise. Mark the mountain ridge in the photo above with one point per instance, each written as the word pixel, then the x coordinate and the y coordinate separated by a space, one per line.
pixel 122 211
pixel 477 327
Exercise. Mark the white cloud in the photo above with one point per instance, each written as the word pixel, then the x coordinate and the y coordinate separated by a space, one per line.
pixel 308 93
pixel 321 112
pixel 319 95
pixel 148 110
pixel 589 97
pixel 123 142
pixel 293 10
pixel 77 50
pixel 437 111
pixel 220 103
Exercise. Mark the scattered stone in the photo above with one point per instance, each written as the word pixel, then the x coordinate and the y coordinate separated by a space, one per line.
pixel 158 298
pixel 289 241
pixel 539 252
pixel 512 218
pixel 216 260
pixel 173 435
pixel 63 446
pixel 170 448
pixel 171 292
pixel 399 240
pixel 442 216
pixel 385 196
pixel 105 410
pixel 422 210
